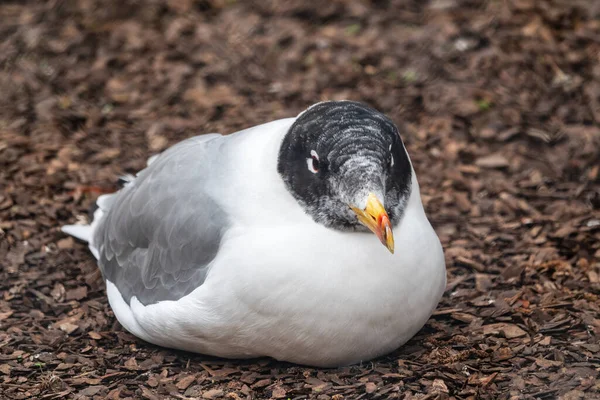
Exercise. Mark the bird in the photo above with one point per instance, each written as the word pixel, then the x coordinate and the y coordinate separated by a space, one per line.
pixel 303 239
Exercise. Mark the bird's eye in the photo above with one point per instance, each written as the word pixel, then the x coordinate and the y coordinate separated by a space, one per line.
pixel 313 162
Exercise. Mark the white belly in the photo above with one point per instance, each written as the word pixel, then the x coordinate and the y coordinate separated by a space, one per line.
pixel 304 294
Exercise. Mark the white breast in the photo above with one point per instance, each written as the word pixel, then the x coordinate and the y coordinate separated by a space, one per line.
pixel 303 293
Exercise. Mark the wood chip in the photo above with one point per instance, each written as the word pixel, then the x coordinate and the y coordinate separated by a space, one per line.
pixel 95 335
pixel 279 393
pixel 66 243
pixel 492 161
pixel 78 293
pixel 212 394
pixel 5 315
pixel 131 364
pixel 370 387
pixel 509 331
pixel 501 122
pixel 68 327
pixel 185 382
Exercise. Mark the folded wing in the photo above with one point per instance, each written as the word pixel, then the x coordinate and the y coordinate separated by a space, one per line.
pixel 161 232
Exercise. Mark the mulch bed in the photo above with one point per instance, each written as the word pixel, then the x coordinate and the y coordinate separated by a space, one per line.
pixel 500 107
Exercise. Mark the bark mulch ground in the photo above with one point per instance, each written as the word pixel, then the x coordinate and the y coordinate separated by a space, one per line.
pixel 500 107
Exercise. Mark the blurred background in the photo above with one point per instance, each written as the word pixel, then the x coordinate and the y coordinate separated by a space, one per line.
pixel 498 103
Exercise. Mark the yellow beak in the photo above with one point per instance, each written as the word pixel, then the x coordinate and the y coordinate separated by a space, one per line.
pixel 376 219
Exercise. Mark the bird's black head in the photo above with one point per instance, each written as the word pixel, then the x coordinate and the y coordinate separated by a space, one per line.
pixel 344 162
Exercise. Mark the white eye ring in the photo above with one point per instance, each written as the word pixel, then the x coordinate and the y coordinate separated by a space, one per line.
pixel 310 162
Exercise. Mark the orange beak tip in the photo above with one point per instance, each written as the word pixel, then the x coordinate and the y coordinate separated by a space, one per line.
pixel 375 217
pixel 389 243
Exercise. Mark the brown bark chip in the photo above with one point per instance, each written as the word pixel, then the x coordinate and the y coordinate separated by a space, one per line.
pixel 499 106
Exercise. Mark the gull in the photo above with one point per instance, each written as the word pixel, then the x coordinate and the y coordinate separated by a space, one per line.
pixel 303 239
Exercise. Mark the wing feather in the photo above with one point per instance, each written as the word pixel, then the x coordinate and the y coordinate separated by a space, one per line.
pixel 158 238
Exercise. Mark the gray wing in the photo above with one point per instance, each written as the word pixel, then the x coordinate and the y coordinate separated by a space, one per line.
pixel 163 229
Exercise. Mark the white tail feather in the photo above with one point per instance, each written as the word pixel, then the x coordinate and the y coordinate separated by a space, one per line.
pixel 81 232
pixel 86 232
